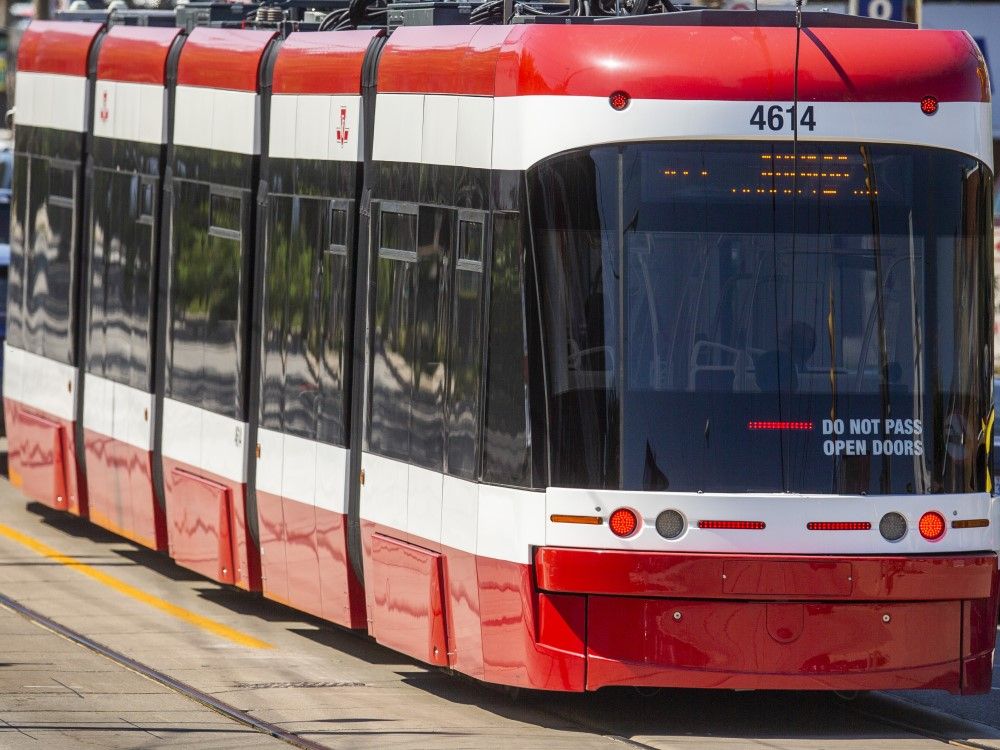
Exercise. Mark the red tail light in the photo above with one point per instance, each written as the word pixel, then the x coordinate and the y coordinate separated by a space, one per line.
pixel 619 100
pixel 838 526
pixel 623 522
pixel 742 525
pixel 772 425
pixel 929 105
pixel 931 525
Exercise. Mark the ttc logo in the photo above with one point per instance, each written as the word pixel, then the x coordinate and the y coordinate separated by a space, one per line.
pixel 343 132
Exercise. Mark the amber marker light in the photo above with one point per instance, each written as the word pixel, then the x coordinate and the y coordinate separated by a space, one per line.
pixel 929 105
pixel 623 522
pixel 586 520
pixel 619 100
pixel 931 525
pixel 971 523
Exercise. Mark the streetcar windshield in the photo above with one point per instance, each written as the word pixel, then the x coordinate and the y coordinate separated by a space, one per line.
pixel 739 317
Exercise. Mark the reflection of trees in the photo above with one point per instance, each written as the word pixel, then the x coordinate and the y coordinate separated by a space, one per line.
pixel 305 287
pixel 205 291
pixel 49 268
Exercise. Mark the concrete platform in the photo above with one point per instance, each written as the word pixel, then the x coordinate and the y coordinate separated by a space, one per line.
pixel 329 685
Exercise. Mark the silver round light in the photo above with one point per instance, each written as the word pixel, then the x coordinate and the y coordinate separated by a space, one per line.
pixel 892 526
pixel 670 524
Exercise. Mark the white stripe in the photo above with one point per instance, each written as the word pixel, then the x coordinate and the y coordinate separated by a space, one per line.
pixel 383 494
pixel 399 127
pixel 133 416
pixel 496 522
pixel 298 470
pixel 536 127
pixel 269 462
pixel 785 516
pixel 434 129
pixel 440 130
pixel 505 523
pixel 320 127
pixel 460 514
pixel 49 100
pixel 331 477
pixel 475 132
pixel 13 371
pixel 511 522
pixel 217 119
pixel 303 470
pixel 130 111
pixel 205 440
pixel 40 383
pixel 98 405
pixel 118 411
pixel 423 503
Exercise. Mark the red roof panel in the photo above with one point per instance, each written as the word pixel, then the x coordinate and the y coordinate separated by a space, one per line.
pixel 223 58
pixel 327 62
pixel 441 60
pixel 137 54
pixel 741 63
pixel 58 47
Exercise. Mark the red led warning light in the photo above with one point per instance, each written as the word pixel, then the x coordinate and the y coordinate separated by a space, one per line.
pixel 740 525
pixel 623 522
pixel 619 100
pixel 766 425
pixel 838 526
pixel 929 105
pixel 931 525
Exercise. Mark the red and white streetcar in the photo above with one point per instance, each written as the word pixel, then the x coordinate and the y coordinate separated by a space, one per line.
pixel 573 351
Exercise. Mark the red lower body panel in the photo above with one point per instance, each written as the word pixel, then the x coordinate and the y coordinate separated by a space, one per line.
pixel 120 491
pixel 207 529
pixel 42 458
pixel 304 560
pixel 497 626
pixel 408 613
pixel 731 621
pixel 584 619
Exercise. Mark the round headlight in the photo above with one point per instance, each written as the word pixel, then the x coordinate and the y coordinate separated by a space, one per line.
pixel 892 526
pixel 669 524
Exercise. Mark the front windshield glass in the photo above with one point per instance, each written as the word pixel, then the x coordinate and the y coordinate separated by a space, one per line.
pixel 728 317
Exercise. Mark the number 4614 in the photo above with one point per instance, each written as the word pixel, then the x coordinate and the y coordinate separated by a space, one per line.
pixel 776 117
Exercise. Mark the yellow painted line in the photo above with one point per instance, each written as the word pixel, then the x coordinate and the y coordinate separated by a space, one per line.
pixel 223 631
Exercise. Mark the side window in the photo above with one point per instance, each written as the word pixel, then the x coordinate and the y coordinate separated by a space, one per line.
pixel 435 226
pixel 340 226
pixel 278 250
pixel 220 284
pixel 465 354
pixel 50 298
pixel 394 336
pixel 506 439
pixel 18 237
pixel 120 277
pixel 190 287
pixel 333 330
pixel 301 386
pixel 60 297
pixel 305 308
pixel 143 279
pixel 102 204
